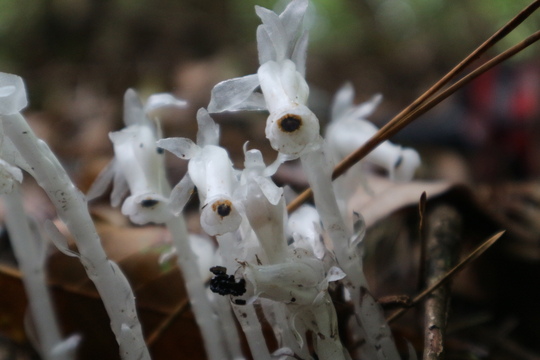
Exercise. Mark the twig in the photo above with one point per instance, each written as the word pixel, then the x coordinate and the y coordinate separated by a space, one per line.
pixel 486 45
pixel 177 311
pixel 473 255
pixel 387 131
pixel 422 236
pixel 444 228
pixel 412 111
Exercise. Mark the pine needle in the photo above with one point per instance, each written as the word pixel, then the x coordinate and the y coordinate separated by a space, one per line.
pixel 415 109
pixel 472 256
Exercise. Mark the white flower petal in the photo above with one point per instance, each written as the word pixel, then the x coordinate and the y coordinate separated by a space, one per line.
pixel 133 109
pixel 405 168
pixel 264 46
pixel 208 133
pixel 299 53
pixel 335 274
pixel 161 100
pixel 294 85
pixel 293 16
pixel 139 159
pixel 342 102
pixel 181 194
pixel 276 31
pixel 182 147
pixel 367 108
pixel 236 94
pixel 270 80
pixel 120 189
pixel 102 182
pixel 145 208
pixel 270 190
pixel 12 94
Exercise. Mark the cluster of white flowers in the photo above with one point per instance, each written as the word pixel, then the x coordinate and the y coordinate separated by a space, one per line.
pixel 265 259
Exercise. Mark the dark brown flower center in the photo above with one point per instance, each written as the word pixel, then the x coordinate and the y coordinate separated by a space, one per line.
pixel 223 208
pixel 147 203
pixel 290 123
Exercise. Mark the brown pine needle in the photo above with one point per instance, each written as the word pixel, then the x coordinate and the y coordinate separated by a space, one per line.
pixel 472 256
pixel 177 311
pixel 386 132
pixel 409 114
pixel 486 45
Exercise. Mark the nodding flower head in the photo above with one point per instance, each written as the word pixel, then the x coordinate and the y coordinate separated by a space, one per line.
pixel 138 166
pixel 220 215
pixel 349 130
pixel 291 126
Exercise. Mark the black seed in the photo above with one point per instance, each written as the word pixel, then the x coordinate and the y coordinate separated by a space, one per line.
pixel 149 203
pixel 293 300
pixel 223 210
pixel 160 150
pixel 290 123
pixel 240 302
pixel 224 284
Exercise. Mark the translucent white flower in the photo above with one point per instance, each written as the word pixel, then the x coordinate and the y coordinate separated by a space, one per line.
pixel 302 280
pixel 138 166
pixel 349 130
pixel 212 172
pixel 291 126
pixel 282 42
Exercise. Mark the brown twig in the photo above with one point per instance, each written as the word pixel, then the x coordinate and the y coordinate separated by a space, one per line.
pixel 473 255
pixel 422 236
pixel 414 110
pixel 177 311
pixel 444 229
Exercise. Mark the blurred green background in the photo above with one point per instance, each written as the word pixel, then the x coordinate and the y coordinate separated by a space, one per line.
pixel 79 56
pixel 396 47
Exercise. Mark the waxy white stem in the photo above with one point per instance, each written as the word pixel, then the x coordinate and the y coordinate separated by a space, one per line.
pixel 319 174
pixel 200 304
pixel 31 265
pixel 72 209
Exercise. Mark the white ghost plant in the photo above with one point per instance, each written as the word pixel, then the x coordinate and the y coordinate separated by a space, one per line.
pixel 282 41
pixel 33 155
pixel 138 165
pixel 349 130
pixel 211 171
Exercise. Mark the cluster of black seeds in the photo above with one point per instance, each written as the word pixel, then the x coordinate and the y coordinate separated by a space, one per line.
pixel 224 284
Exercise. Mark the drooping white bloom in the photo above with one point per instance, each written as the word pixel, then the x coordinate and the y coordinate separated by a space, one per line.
pixel 282 42
pixel 138 166
pixel 349 130
pixel 212 172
